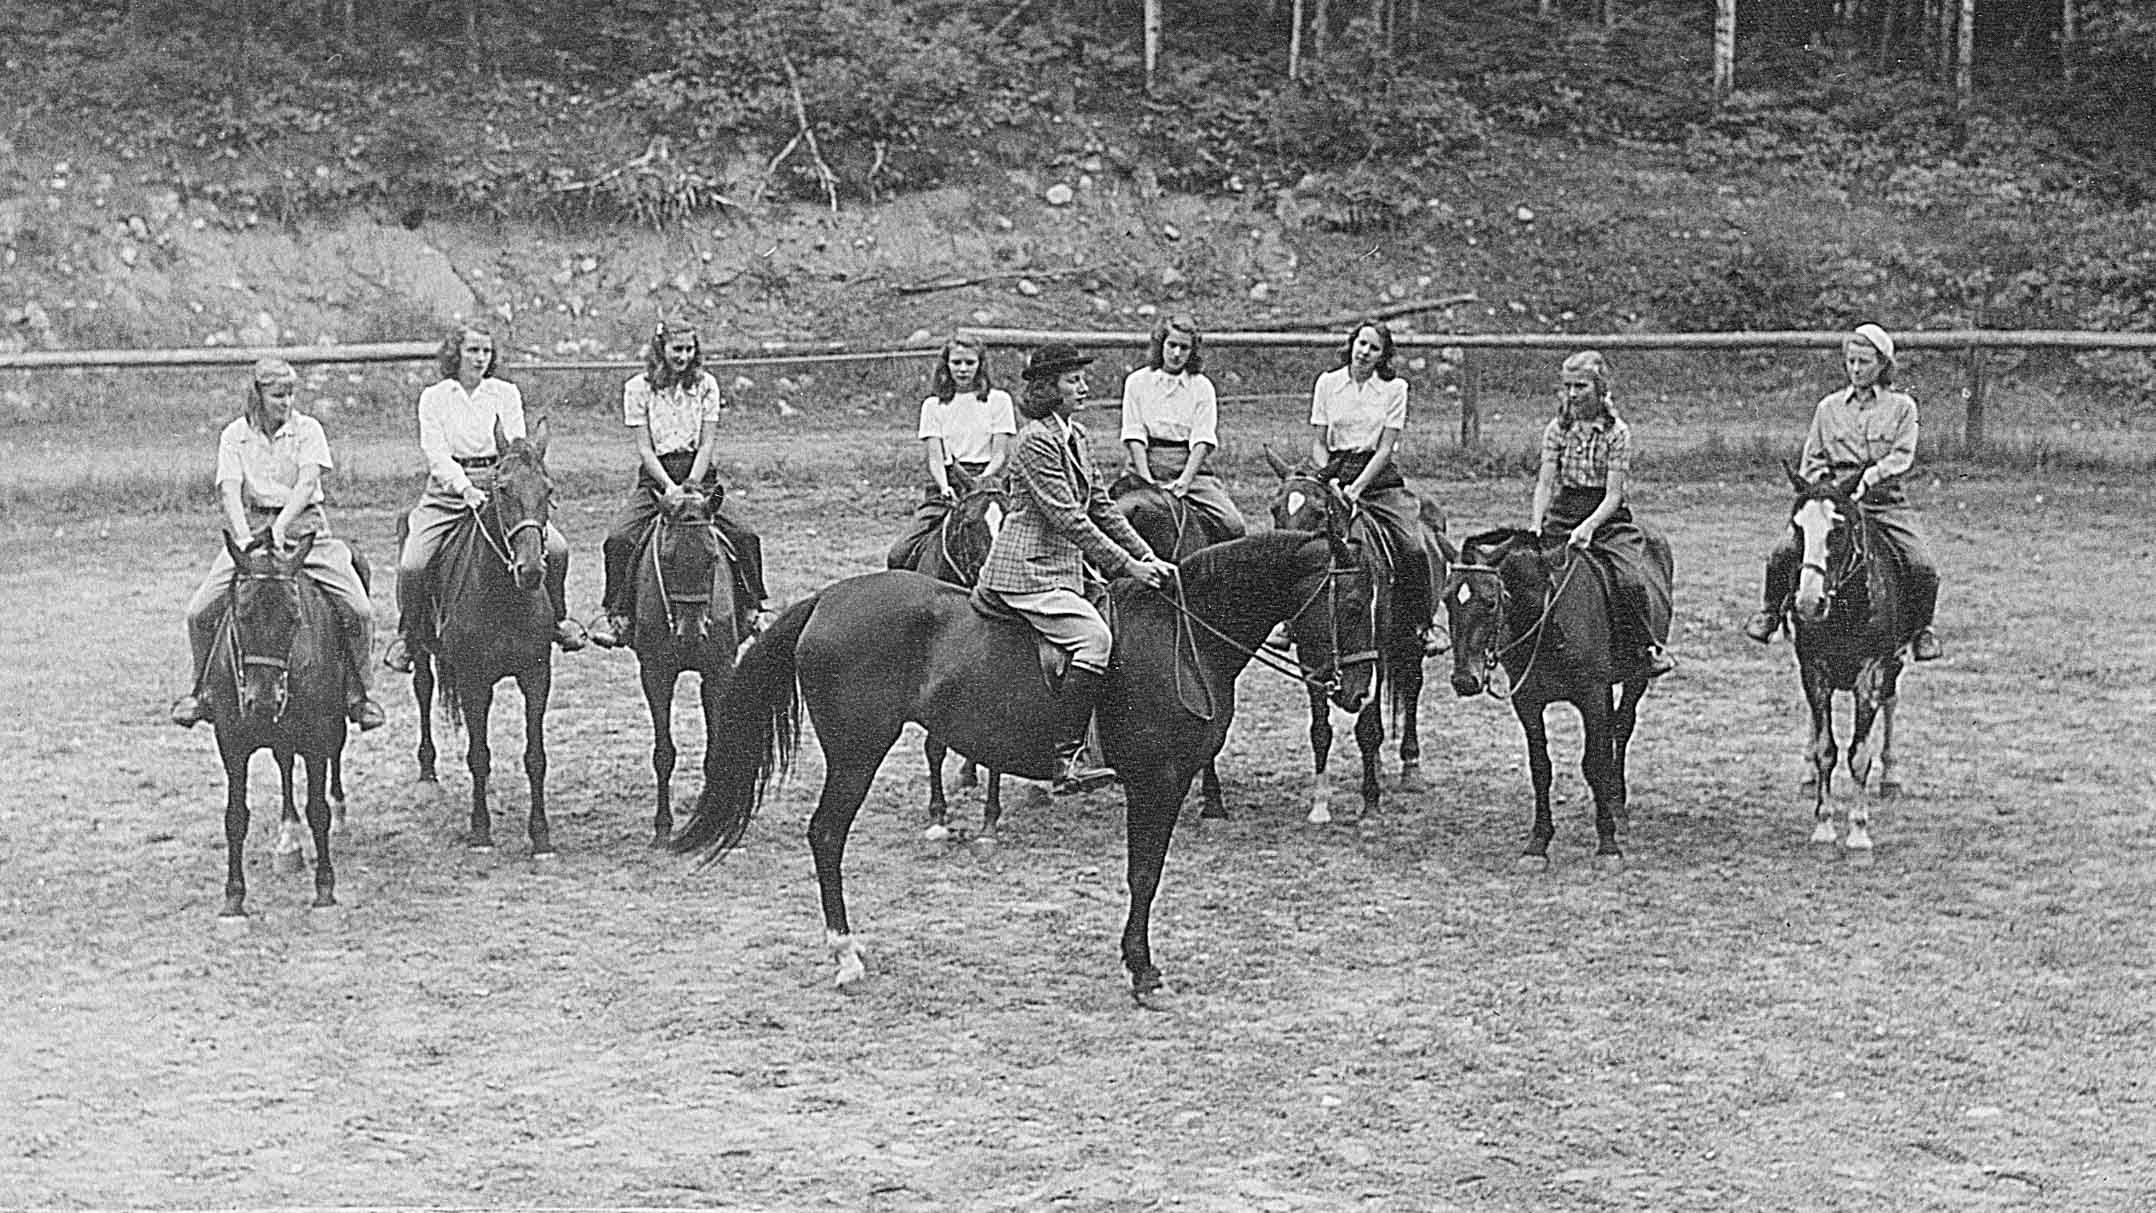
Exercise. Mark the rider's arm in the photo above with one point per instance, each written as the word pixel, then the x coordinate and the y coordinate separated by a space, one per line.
pixel 999 456
pixel 1204 429
pixel 1039 469
pixel 434 442
pixel 1612 497
pixel 938 463
pixel 1386 441
pixel 647 456
pixel 1320 453
pixel 707 445
pixel 1134 433
pixel 1545 488
pixel 1815 462
pixel 1139 465
pixel 297 499
pixel 228 496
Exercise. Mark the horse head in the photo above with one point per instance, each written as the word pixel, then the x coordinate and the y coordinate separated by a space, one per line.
pixel 972 525
pixel 1829 526
pixel 1335 622
pixel 1479 595
pixel 265 610
pixel 689 552
pixel 1306 501
pixel 521 498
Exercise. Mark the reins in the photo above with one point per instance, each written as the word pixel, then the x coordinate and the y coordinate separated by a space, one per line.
pixel 1535 630
pixel 1258 653
pixel 239 659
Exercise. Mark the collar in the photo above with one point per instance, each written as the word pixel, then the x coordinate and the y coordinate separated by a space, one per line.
pixel 281 431
pixel 1861 396
pixel 1602 424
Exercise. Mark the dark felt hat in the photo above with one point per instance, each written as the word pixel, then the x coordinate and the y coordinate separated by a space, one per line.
pixel 1050 361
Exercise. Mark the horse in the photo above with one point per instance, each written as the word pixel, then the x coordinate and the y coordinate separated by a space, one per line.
pixel 686 621
pixel 289 855
pixel 495 623
pixel 1544 614
pixel 1306 501
pixel 955 556
pixel 276 680
pixel 1175 532
pixel 869 653
pixel 1850 636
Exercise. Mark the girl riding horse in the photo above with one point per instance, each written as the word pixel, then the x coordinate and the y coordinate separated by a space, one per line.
pixel 270 462
pixel 1171 418
pixel 966 423
pixel 673 409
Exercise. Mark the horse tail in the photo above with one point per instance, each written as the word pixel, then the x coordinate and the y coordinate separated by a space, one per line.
pixel 759 727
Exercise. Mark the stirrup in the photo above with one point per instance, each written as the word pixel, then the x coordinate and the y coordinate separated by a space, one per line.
pixel 189 710
pixel 1925 646
pixel 398 655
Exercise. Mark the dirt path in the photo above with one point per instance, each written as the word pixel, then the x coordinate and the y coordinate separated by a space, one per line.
pixel 1376 1015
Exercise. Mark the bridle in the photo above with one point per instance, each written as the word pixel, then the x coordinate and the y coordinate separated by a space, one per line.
pixel 504 547
pixel 1495 652
pixel 1856 562
pixel 241 661
pixel 951 521
pixel 1327 678
pixel 667 598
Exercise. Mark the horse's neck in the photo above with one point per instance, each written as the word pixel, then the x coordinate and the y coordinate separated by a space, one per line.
pixel 1233 594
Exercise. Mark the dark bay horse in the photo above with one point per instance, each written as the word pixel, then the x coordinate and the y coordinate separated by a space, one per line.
pixel 955 555
pixel 870 653
pixel 686 621
pixel 495 623
pixel 1305 501
pixel 1850 636
pixel 1543 612
pixel 276 681
pixel 1175 532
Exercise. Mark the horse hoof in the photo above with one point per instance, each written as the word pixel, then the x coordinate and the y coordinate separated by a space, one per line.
pixel 289 862
pixel 1320 815
pixel 325 908
pixel 850 974
pixel 1533 864
pixel 1823 834
pixel 1411 779
pixel 985 840
pixel 1159 1000
pixel 937 833
pixel 1859 842
pixel 546 857
pixel 231 921
pixel 480 848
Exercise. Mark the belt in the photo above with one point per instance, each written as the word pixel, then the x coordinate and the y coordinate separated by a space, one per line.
pixel 475 461
pixel 1173 444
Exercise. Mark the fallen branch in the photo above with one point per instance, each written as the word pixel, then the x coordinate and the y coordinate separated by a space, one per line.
pixel 998 28
pixel 1388 312
pixel 953 282
pixel 823 170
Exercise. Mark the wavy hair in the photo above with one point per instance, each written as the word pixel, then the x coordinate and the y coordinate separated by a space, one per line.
pixel 1182 322
pixel 945 388
pixel 450 358
pixel 1040 398
pixel 658 372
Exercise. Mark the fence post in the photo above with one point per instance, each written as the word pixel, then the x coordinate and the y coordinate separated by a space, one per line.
pixel 1972 426
pixel 1470 401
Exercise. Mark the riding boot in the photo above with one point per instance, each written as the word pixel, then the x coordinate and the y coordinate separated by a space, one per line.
pixel 359 706
pixel 1079 765
pixel 190 709
pixel 1920 587
pixel 568 633
pixel 1780 584
pixel 415 621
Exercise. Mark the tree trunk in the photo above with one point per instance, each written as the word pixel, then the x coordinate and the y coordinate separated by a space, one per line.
pixel 472 55
pixel 1152 42
pixel 1725 48
pixel 1965 59
pixel 1319 35
pixel 1295 42
pixel 2069 34
pixel 1609 14
pixel 1543 7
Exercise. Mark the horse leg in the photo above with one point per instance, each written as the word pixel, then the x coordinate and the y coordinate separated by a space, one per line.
pixel 845 785
pixel 537 685
pixel 1154 798
pixel 318 821
pixel 1596 767
pixel 1822 753
pixel 477 701
pixel 1622 725
pixel 1890 695
pixel 235 830
pixel 1321 748
pixel 287 855
pixel 1409 678
pixel 336 788
pixel 423 692
pixel 1215 806
pixel 939 809
pixel 969 775
pixel 992 806
pixel 1537 855
pixel 659 699
pixel 1370 739
pixel 711 689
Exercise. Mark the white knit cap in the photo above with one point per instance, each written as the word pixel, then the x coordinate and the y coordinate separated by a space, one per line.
pixel 1878 338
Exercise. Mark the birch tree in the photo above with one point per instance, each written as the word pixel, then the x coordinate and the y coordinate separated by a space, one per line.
pixel 1725 48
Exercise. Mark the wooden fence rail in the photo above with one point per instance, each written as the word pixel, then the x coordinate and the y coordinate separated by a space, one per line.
pixel 1973 343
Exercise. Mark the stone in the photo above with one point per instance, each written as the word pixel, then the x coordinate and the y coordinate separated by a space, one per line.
pixel 1059 194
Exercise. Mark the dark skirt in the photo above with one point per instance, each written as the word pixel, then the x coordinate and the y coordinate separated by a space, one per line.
pixel 1642 610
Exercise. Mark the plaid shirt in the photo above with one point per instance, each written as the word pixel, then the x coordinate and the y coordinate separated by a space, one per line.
pixel 1586 452
pixel 1060 517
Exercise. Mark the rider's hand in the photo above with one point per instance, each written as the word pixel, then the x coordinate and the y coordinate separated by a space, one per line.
pixel 474 496
pixel 1351 491
pixel 279 541
pixel 1155 574
pixel 1581 536
pixel 1179 487
pixel 676 494
pixel 946 492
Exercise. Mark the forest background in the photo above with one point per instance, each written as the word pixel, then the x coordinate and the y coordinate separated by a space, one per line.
pixel 253 172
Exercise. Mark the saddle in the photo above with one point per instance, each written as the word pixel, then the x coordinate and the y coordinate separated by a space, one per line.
pixel 1055 660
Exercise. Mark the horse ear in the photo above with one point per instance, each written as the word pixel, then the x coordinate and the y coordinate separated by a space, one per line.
pixel 234 550
pixel 1280 468
pixel 298 558
pixel 539 438
pixel 1796 481
pixel 1848 484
